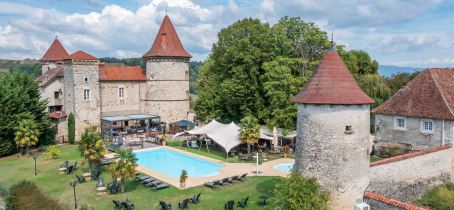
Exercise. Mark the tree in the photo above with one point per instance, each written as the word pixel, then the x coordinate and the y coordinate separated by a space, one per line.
pixel 48 132
pixel 27 134
pixel 123 166
pixel 375 87
pixel 19 100
pixel 249 131
pixel 398 80
pixel 297 192
pixel 91 148
pixel 71 128
pixel 359 63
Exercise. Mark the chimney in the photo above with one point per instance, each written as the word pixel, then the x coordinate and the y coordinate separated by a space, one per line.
pixel 102 65
pixel 164 39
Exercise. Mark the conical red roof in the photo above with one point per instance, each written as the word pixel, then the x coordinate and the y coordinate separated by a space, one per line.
pixel 56 52
pixel 80 55
pixel 167 42
pixel 332 83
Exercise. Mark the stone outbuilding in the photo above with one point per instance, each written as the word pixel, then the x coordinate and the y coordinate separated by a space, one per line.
pixel 418 116
pixel 333 132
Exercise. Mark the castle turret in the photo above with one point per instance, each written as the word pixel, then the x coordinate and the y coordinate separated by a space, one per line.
pixel 82 98
pixel 53 57
pixel 167 76
pixel 333 129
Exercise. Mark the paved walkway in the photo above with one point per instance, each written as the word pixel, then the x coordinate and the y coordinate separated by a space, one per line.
pixel 230 169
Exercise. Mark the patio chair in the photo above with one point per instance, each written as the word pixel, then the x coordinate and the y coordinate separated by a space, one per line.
pixel 243 177
pixel 114 189
pixel 240 156
pixel 195 199
pixel 184 204
pixel 210 184
pixel 229 205
pixel 69 169
pixel 243 202
pixel 80 179
pixel 249 157
pixel 110 185
pixel 95 176
pixel 74 167
pixel 161 186
pixel 128 207
pixel 65 164
pixel 164 205
pixel 118 205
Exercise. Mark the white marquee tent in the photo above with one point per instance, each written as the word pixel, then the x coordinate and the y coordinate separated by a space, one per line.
pixel 226 135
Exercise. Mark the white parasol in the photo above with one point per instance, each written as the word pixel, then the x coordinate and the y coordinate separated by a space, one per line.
pixel 275 137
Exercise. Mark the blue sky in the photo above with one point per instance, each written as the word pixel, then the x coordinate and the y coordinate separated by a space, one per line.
pixel 416 33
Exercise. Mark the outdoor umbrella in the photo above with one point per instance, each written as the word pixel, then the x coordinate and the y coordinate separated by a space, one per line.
pixel 275 138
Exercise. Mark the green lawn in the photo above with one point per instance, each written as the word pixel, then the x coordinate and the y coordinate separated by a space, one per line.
pixel 373 159
pixel 14 169
pixel 221 155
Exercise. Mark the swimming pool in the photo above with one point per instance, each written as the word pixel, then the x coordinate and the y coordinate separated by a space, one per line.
pixel 284 167
pixel 172 163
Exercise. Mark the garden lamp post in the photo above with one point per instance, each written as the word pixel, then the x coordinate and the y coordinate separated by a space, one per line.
pixel 73 184
pixel 34 157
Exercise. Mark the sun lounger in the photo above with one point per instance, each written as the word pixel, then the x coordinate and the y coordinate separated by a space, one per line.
pixel 140 179
pixel 225 180
pixel 243 202
pixel 243 177
pixel 210 184
pixel 236 178
pixel 161 186
pixel 195 199
pixel 154 184
pixel 230 180
pixel 147 181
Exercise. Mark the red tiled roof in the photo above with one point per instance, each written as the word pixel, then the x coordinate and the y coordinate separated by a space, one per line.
pixel 332 83
pixel 52 74
pixel 428 95
pixel 409 155
pixel 120 73
pixel 80 55
pixel 167 42
pixel 393 201
pixel 56 52
pixel 57 115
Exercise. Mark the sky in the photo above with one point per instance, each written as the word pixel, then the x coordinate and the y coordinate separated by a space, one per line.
pixel 410 33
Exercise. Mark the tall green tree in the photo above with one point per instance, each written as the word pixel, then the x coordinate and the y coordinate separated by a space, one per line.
pixel 123 166
pixel 19 100
pixel 249 131
pixel 91 148
pixel 71 128
pixel 375 87
pixel 27 134
pixel 398 80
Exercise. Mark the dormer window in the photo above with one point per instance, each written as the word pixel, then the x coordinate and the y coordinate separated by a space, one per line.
pixel 45 78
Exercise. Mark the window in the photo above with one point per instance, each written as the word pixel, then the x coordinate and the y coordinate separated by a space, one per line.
pixel 45 78
pixel 121 92
pixel 428 126
pixel 348 129
pixel 86 94
pixel 400 123
pixel 86 79
pixel 56 94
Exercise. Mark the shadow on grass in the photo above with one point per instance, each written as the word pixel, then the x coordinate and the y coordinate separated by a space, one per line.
pixel 266 188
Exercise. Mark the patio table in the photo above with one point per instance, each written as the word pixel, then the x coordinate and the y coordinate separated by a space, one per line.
pixel 62 170
pixel 264 198
pixel 101 190
pixel 87 176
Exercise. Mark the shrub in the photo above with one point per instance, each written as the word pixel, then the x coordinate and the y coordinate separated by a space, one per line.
pixel 441 197
pixel 48 136
pixel 71 128
pixel 43 148
pixel 297 192
pixel 22 151
pixel 52 153
pixel 3 191
pixel 26 195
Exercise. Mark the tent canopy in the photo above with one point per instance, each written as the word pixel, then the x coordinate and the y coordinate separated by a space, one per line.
pixel 183 123
pixel 226 135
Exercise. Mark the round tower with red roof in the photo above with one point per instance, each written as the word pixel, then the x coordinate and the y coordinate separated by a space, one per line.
pixel 333 130
pixel 167 76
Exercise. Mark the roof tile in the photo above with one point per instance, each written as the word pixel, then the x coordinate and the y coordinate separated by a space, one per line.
pixel 409 155
pixel 52 74
pixel 80 55
pixel 56 52
pixel 58 114
pixel 393 201
pixel 120 73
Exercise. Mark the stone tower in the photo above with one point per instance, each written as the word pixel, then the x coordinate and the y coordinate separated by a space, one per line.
pixel 82 96
pixel 167 76
pixel 53 57
pixel 333 132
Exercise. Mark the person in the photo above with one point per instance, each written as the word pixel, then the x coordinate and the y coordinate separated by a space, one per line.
pixel 264 145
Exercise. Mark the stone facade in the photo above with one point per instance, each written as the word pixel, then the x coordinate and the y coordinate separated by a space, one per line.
pixel 46 65
pixel 167 89
pixel 412 136
pixel 338 159
pixel 110 96
pixel 81 75
pixel 409 179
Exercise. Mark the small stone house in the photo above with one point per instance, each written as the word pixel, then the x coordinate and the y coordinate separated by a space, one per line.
pixel 418 116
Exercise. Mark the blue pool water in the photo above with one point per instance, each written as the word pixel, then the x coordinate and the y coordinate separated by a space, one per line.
pixel 172 163
pixel 284 167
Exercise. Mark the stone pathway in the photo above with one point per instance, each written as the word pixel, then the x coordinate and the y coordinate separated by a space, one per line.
pixel 2 204
pixel 230 169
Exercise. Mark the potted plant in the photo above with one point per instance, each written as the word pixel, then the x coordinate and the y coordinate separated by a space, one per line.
pixel 183 178
pixel 163 140
pixel 286 149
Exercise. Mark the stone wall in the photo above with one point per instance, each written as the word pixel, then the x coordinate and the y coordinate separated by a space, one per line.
pixel 62 127
pixel 339 160
pixel 412 136
pixel 410 176
pixel 170 111
pixel 377 205
pixel 111 100
pixel 45 65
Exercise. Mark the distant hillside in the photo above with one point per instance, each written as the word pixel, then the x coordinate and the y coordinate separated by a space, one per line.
pixel 32 67
pixel 385 70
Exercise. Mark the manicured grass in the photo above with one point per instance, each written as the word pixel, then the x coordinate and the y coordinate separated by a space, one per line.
pixel 440 197
pixel 373 159
pixel 221 155
pixel 13 169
